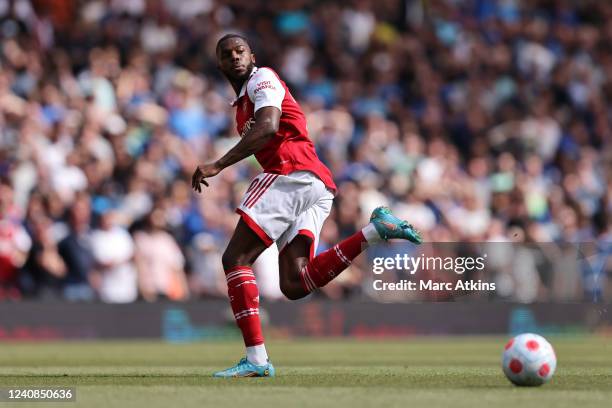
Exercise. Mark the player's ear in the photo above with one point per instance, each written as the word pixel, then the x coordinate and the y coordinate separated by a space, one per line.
pixel 253 58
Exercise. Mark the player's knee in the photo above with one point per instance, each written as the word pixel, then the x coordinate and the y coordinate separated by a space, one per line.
pixel 291 291
pixel 292 294
pixel 230 260
pixel 226 260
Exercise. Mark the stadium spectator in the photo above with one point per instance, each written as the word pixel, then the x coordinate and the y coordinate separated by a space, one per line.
pixel 206 279
pixel 159 261
pixel 76 252
pixel 15 243
pixel 113 250
pixel 44 267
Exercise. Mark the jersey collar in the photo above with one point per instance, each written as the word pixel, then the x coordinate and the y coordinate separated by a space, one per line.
pixel 244 87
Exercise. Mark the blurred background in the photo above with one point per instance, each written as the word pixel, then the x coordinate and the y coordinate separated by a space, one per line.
pixel 476 120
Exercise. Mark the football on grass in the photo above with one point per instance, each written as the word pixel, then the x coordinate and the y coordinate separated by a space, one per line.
pixel 529 360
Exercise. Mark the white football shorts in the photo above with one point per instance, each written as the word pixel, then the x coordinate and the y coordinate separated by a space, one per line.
pixel 278 208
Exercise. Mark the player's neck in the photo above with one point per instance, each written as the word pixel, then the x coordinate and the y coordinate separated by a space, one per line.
pixel 238 83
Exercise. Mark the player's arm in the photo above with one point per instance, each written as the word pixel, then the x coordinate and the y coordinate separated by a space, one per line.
pixel 264 128
pixel 266 92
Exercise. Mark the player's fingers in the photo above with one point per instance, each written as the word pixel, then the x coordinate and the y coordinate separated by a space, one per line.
pixel 203 181
pixel 197 176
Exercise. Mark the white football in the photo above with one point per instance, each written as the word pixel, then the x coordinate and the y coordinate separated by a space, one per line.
pixel 529 360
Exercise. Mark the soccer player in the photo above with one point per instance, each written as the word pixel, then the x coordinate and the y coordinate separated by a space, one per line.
pixel 287 203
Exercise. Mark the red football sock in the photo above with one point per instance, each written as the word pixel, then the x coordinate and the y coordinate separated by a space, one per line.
pixel 244 298
pixel 327 265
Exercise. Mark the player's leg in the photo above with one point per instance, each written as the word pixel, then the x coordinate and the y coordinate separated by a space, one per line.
pixel 301 273
pixel 243 249
pixel 268 208
pixel 291 260
pixel 320 270
pixel 298 243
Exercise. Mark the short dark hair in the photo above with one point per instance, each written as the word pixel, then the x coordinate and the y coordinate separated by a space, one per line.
pixel 227 37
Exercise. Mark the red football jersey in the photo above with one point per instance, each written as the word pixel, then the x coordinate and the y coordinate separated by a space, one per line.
pixel 290 149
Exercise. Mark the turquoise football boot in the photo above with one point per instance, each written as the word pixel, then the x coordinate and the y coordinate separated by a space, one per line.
pixel 245 368
pixel 389 226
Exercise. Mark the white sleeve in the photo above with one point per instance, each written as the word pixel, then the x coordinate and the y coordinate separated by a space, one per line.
pixel 265 89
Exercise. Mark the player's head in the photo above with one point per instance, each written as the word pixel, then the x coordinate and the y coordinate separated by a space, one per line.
pixel 234 57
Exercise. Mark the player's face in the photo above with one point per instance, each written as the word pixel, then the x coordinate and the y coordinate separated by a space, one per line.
pixel 235 59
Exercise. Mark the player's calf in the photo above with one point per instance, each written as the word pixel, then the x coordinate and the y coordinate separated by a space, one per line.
pixel 291 261
pixel 233 257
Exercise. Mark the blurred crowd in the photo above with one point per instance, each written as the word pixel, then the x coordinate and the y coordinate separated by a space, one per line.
pixel 476 120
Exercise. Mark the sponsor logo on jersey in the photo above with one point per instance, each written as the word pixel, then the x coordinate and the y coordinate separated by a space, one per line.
pixel 247 126
pixel 263 85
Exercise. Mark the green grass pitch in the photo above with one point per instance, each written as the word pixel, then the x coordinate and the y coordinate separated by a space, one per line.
pixel 418 372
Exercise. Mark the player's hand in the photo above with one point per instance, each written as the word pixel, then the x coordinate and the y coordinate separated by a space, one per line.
pixel 202 172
